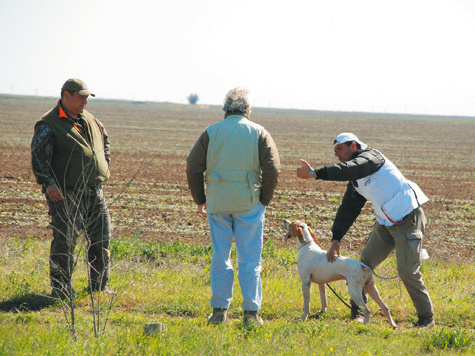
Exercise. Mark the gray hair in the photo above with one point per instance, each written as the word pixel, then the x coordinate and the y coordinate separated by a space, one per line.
pixel 236 100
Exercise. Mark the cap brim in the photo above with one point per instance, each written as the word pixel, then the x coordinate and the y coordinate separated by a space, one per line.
pixel 86 92
pixel 348 137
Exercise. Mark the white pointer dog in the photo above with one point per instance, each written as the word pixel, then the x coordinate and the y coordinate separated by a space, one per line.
pixel 314 267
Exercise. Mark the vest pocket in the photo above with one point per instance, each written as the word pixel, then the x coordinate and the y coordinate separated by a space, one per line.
pixel 231 191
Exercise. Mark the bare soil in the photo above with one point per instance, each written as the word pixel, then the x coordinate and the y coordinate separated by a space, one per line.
pixel 149 197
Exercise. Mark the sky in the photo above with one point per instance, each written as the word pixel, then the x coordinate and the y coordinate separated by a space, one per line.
pixel 387 56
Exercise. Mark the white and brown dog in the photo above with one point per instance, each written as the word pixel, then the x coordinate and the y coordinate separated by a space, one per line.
pixel 314 267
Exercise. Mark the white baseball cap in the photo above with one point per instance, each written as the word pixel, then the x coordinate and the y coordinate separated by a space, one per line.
pixel 348 137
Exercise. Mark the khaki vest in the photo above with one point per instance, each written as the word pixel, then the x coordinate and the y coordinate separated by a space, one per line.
pixel 77 164
pixel 233 171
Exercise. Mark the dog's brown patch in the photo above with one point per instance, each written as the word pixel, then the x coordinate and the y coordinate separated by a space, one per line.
pixel 314 237
pixel 296 230
pixel 294 227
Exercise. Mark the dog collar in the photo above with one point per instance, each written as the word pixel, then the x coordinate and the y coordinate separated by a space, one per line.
pixel 302 245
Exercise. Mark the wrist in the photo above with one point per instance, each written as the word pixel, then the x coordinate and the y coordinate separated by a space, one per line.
pixel 311 174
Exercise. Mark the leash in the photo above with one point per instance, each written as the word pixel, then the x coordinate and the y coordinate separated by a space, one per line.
pixel 329 286
pixel 385 278
pixel 334 292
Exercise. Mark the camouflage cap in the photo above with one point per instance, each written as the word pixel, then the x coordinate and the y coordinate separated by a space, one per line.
pixel 77 86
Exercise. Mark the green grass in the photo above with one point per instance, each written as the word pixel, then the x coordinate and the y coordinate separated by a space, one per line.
pixel 169 283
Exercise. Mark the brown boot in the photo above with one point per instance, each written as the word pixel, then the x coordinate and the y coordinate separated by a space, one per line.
pixel 251 318
pixel 424 322
pixel 218 317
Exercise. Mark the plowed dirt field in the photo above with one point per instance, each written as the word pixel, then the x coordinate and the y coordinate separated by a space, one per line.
pixel 148 194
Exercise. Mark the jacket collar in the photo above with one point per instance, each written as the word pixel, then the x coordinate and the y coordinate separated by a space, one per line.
pixel 63 115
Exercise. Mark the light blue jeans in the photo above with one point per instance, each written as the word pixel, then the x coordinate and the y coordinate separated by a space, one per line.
pixel 247 229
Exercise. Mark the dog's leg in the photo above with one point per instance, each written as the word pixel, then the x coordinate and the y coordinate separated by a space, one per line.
pixel 306 298
pixel 323 297
pixel 374 294
pixel 356 294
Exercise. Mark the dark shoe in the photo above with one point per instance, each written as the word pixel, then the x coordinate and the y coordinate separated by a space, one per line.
pixel 356 314
pixel 252 319
pixel 218 317
pixel 106 290
pixel 424 322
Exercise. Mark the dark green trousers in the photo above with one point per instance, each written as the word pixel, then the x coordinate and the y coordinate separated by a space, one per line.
pixel 77 213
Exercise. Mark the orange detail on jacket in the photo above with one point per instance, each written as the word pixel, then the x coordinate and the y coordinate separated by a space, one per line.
pixel 62 114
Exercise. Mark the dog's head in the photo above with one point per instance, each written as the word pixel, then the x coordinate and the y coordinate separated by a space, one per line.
pixel 295 229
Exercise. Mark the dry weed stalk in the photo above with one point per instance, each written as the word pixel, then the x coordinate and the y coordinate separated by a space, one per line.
pixel 73 214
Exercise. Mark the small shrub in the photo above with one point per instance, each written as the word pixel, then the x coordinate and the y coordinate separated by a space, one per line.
pixel 193 98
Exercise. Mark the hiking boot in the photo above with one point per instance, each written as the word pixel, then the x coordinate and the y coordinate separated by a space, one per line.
pixel 356 314
pixel 424 322
pixel 251 318
pixel 106 290
pixel 218 317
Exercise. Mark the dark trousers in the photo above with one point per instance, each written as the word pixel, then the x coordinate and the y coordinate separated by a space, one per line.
pixel 77 213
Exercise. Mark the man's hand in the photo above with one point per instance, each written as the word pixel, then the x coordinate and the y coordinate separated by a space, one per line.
pixel 54 192
pixel 304 171
pixel 335 247
pixel 202 209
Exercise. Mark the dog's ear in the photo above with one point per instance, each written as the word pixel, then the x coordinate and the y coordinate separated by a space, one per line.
pixel 314 237
pixel 293 227
pixel 300 234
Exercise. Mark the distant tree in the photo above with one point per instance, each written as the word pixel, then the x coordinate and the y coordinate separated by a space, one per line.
pixel 193 98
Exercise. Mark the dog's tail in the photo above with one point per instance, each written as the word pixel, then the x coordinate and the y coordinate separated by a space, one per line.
pixel 364 266
pixel 385 278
